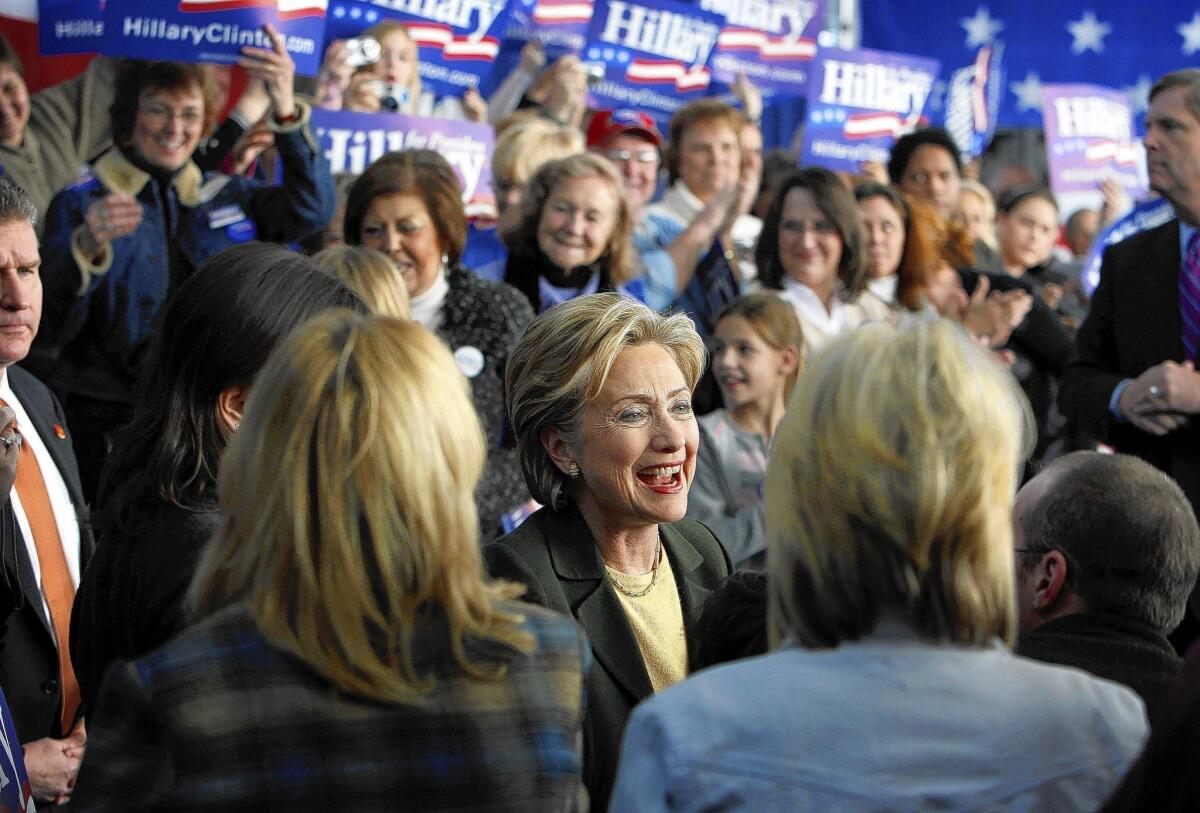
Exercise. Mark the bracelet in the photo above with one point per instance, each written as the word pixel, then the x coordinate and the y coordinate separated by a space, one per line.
pixel 294 117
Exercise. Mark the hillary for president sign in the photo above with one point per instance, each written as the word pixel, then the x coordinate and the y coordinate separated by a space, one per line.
pixel 773 42
pixel 1090 138
pixel 860 102
pixel 655 56
pixel 353 141
pixel 213 30
pixel 457 40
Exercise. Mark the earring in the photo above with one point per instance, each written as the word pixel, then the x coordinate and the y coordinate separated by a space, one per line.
pixel 236 425
pixel 445 260
pixel 572 469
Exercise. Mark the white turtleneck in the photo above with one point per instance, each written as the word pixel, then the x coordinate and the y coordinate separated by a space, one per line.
pixel 427 305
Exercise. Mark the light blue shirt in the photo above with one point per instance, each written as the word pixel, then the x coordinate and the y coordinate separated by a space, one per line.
pixel 889 723
pixel 650 240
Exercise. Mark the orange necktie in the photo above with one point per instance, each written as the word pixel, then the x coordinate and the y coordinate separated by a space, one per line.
pixel 57 586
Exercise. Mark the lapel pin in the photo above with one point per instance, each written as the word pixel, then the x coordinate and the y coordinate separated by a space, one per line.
pixel 60 432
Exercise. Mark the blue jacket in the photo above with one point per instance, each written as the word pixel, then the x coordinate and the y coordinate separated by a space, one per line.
pixel 101 317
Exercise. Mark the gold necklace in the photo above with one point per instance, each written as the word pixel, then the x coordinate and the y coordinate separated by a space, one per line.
pixel 653 576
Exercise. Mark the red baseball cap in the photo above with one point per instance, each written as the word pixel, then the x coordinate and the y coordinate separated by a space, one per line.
pixel 608 123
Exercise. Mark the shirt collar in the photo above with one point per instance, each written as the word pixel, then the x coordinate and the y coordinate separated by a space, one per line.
pixel 116 172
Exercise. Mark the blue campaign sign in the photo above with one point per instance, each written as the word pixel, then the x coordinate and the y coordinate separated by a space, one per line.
pixel 655 57
pixel 773 42
pixel 213 30
pixel 860 102
pixel 559 25
pixel 1146 215
pixel 972 102
pixel 70 26
pixel 457 40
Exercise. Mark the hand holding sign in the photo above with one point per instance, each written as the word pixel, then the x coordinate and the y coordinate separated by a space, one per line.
pixel 275 69
pixel 115 215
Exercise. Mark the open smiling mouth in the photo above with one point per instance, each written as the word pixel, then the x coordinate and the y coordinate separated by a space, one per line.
pixel 662 479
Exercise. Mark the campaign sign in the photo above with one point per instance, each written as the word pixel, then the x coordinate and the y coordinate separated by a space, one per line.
pixel 559 25
pixel 70 26
pixel 860 102
pixel 655 57
pixel 352 141
pixel 973 100
pixel 457 40
pixel 773 42
pixel 1090 138
pixel 213 30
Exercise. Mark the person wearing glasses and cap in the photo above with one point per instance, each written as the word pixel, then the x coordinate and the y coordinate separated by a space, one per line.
pixel 669 248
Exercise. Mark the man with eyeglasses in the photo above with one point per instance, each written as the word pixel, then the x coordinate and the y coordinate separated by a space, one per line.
pixel 1107 550
pixel 670 247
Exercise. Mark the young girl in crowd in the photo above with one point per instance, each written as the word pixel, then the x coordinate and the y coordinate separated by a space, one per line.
pixel 756 361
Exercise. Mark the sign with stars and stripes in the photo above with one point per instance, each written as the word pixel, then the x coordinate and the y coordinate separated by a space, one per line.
pixel 860 102
pixel 655 55
pixel 559 25
pixel 773 42
pixel 1090 138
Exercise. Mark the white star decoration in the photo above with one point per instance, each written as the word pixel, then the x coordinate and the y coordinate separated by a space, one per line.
pixel 1191 35
pixel 1139 95
pixel 981 29
pixel 1029 92
pixel 1089 33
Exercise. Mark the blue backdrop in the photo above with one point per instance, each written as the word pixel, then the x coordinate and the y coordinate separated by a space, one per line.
pixel 1123 44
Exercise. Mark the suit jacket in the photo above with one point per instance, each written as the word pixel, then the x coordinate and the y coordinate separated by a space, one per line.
pixel 1134 324
pixel 28 657
pixel 1112 647
pixel 221 719
pixel 555 556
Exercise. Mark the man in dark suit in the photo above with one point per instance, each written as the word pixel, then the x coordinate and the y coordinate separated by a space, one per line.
pixel 1107 551
pixel 1133 382
pixel 44 543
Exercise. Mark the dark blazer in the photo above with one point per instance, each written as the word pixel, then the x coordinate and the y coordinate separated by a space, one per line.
pixel 1133 324
pixel 130 600
pixel 1112 647
pixel 220 719
pixel 28 658
pixel 488 317
pixel 555 556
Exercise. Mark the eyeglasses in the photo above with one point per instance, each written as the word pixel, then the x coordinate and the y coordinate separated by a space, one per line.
pixel 159 115
pixel 641 156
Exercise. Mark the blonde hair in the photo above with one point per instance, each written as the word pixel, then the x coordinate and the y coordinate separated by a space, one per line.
pixel 371 275
pixel 530 142
pixel 381 31
pixel 564 359
pixel 984 196
pixel 890 489
pixel 349 501
pixel 521 238
pixel 774 321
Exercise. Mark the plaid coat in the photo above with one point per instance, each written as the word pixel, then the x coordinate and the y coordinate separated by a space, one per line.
pixel 219 719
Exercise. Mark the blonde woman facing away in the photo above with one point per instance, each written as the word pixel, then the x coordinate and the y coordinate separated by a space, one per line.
pixel 348 654
pixel 371 275
pixel 891 603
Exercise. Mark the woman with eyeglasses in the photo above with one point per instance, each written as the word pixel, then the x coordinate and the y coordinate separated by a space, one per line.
pixel 119 242
pixel 811 251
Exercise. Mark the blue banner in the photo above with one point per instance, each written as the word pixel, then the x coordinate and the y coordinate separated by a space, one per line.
pixel 774 42
pixel 457 40
pixel 1144 216
pixel 1114 43
pixel 559 25
pixel 655 57
pixel 70 26
pixel 860 102
pixel 352 141
pixel 213 30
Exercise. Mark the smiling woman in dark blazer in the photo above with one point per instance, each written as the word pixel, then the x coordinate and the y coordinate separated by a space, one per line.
pixel 599 391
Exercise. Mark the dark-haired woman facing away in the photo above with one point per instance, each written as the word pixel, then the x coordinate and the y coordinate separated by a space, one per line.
pixel 158 494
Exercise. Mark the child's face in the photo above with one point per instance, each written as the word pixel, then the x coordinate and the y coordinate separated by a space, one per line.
pixel 748 369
